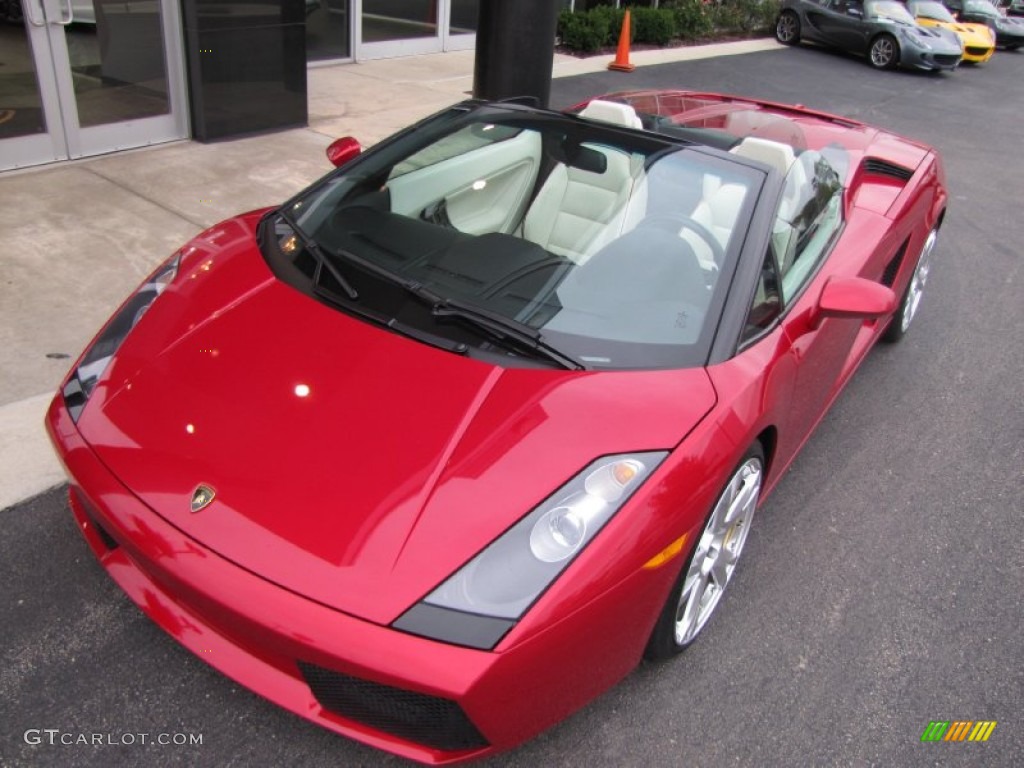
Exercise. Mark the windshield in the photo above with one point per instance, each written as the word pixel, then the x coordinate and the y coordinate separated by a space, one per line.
pixel 933 10
pixel 608 247
pixel 981 7
pixel 889 9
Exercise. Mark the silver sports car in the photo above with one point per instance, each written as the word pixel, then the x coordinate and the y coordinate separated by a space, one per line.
pixel 883 30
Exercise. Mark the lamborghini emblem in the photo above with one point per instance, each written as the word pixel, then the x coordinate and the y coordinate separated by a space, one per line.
pixel 201 497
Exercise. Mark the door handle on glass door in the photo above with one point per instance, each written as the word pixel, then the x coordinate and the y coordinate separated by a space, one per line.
pixel 29 7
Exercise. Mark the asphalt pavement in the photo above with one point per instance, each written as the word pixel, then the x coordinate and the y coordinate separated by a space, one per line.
pixel 881 587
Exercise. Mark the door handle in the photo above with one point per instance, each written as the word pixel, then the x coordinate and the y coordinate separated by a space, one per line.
pixel 70 18
pixel 51 8
pixel 31 17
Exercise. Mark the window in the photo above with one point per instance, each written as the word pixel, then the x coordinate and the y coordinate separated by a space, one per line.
pixel 767 304
pixel 459 143
pixel 809 215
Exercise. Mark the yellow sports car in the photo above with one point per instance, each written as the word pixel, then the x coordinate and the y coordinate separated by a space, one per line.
pixel 979 41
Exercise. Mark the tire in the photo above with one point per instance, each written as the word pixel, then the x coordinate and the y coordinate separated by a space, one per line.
pixel 911 299
pixel 884 52
pixel 703 580
pixel 787 28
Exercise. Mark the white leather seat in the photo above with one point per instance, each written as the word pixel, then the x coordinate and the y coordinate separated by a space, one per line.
pixel 612 112
pixel 720 203
pixel 717 211
pixel 774 153
pixel 577 211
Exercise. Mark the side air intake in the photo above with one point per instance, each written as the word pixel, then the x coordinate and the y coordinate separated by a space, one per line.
pixel 878 167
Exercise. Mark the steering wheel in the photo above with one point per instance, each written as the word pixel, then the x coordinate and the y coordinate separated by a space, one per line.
pixel 676 222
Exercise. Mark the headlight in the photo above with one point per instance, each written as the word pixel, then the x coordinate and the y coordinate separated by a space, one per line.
pixel 484 599
pixel 79 388
pixel 911 37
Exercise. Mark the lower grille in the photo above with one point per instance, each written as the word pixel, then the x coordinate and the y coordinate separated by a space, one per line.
pixel 946 59
pixel 79 500
pixel 976 51
pixel 417 717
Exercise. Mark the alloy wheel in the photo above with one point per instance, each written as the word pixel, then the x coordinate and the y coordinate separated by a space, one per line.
pixel 787 28
pixel 884 52
pixel 718 551
pixel 917 282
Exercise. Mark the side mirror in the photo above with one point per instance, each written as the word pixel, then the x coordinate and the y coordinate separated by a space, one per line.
pixel 854 297
pixel 342 150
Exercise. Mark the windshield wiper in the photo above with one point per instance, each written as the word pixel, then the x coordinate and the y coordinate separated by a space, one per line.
pixel 323 260
pixel 415 288
pixel 504 330
pixel 497 326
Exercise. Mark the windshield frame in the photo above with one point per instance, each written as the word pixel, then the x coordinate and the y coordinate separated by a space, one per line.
pixel 893 11
pixel 982 8
pixel 932 10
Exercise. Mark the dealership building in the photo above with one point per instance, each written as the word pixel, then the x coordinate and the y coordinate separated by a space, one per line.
pixel 86 77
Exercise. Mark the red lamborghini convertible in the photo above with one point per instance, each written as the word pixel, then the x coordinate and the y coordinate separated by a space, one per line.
pixel 439 449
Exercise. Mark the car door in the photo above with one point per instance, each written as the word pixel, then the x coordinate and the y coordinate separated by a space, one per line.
pixel 836 26
pixel 811 355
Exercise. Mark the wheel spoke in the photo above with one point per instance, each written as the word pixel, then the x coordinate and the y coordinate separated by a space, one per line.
pixel 741 503
pixel 693 598
pixel 720 570
pixel 717 524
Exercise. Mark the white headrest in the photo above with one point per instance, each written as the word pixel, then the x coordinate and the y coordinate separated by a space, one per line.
pixel 773 153
pixel 612 112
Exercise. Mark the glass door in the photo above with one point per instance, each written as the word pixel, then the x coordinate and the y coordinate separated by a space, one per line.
pixel 398 28
pixel 90 76
pixel 29 112
pixel 460 34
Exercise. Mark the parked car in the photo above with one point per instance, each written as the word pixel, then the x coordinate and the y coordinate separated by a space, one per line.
pixel 882 30
pixel 439 449
pixel 1009 32
pixel 978 40
pixel 1013 7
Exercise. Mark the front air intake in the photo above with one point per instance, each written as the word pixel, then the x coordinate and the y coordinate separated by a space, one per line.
pixel 428 720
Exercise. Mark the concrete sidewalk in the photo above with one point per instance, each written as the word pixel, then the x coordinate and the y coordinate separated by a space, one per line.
pixel 78 236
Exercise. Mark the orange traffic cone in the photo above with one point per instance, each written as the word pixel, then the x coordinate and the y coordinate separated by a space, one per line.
pixel 621 62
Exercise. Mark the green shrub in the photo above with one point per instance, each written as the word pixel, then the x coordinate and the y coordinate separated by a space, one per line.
pixel 656 26
pixel 584 32
pixel 600 26
pixel 728 15
pixel 745 15
pixel 613 18
pixel 767 13
pixel 691 17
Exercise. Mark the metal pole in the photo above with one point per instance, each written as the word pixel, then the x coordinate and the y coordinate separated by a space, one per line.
pixel 515 49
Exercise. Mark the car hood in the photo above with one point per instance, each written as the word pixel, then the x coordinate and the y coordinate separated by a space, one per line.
pixel 351 465
pixel 975 34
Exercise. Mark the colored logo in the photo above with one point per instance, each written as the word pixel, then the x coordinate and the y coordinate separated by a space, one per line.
pixel 202 496
pixel 958 730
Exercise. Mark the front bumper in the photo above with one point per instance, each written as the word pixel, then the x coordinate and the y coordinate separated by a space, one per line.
pixel 929 60
pixel 1007 39
pixel 978 54
pixel 421 699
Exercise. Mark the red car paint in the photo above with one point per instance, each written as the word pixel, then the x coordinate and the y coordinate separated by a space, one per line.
pixel 343 502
